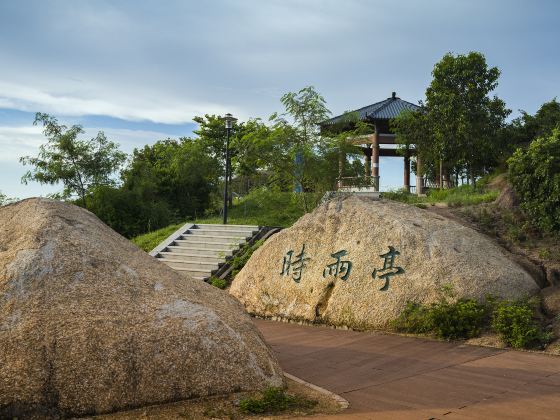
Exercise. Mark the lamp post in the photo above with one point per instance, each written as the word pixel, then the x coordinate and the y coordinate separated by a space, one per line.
pixel 229 120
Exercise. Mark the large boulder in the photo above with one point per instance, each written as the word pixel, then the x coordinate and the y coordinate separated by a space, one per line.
pixel 89 323
pixel 388 253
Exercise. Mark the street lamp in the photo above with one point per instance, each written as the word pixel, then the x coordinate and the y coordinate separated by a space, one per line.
pixel 229 120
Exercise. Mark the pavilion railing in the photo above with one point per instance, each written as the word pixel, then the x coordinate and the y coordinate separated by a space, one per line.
pixel 361 182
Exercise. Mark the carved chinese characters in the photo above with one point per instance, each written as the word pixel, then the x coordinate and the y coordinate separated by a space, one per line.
pixel 342 267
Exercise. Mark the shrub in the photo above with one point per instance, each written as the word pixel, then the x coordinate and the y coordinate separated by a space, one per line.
pixel 535 176
pixel 514 322
pixel 461 319
pixel 445 319
pixel 239 261
pixel 274 400
pixel 219 283
pixel 413 319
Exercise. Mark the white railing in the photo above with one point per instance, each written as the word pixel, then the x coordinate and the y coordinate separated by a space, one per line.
pixel 362 182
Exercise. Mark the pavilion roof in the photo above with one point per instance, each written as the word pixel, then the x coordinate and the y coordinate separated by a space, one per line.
pixel 384 110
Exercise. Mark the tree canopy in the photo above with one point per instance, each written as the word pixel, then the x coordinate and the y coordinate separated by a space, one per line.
pixel 459 124
pixel 80 165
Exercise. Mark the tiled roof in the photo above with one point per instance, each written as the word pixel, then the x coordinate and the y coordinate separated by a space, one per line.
pixel 384 110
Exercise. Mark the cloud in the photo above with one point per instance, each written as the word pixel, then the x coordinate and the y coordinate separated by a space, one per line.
pixel 81 103
pixel 144 61
pixel 167 62
pixel 18 141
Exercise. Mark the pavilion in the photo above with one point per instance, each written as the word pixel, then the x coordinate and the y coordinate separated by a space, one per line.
pixel 379 116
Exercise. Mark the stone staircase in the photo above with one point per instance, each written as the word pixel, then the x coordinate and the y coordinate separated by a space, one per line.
pixel 200 249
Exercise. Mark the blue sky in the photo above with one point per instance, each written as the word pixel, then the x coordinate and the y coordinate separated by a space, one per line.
pixel 141 70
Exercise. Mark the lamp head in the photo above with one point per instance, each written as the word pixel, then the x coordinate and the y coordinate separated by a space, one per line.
pixel 229 120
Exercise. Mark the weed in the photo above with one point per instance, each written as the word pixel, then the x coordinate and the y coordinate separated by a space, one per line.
pixel 273 401
pixel 219 283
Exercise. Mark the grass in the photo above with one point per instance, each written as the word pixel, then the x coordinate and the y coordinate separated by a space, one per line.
pixel 149 241
pixel 464 195
pixel 274 401
pixel 261 207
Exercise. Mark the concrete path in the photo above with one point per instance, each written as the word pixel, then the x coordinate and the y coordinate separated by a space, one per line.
pixel 394 377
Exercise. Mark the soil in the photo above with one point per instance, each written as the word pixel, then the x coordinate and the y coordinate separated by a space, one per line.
pixel 226 407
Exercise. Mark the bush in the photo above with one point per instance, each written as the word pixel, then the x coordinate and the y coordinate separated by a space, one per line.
pixel 461 319
pixel 239 261
pixel 274 400
pixel 515 323
pixel 450 320
pixel 219 283
pixel 414 319
pixel 535 176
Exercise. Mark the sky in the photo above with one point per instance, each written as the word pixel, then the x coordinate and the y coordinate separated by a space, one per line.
pixel 141 70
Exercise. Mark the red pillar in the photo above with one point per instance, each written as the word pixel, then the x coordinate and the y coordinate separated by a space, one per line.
pixel 367 153
pixel 419 180
pixel 407 172
pixel 375 158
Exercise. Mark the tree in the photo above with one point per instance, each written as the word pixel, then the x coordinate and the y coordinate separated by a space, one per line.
pixel 179 173
pixel 81 165
pixel 300 138
pixel 211 134
pixel 524 129
pixel 464 119
pixel 535 176
pixel 413 128
pixel 293 152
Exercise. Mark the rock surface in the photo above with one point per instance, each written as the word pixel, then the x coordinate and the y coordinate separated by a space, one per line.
pixel 89 323
pixel 432 251
pixel 551 300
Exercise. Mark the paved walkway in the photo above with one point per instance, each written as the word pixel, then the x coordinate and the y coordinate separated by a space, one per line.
pixel 394 377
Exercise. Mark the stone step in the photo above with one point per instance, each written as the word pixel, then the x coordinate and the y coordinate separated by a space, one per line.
pixel 202 249
pixel 172 255
pixel 191 265
pixel 211 249
pixel 230 233
pixel 210 239
pixel 203 274
pixel 178 256
pixel 227 227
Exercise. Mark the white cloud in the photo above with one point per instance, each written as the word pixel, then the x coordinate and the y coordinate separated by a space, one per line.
pixel 18 141
pixel 26 98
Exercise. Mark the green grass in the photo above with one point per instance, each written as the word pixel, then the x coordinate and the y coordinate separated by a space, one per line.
pixel 464 195
pixel 149 241
pixel 274 401
pixel 261 207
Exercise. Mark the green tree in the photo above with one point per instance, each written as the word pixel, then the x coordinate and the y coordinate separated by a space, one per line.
pixel 414 132
pixel 179 173
pixel 464 119
pixel 80 165
pixel 293 152
pixel 300 138
pixel 524 129
pixel 128 211
pixel 535 176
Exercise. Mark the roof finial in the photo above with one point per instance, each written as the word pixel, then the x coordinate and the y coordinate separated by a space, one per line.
pixel 394 95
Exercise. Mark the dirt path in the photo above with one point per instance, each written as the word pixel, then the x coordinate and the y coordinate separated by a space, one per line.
pixel 395 377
